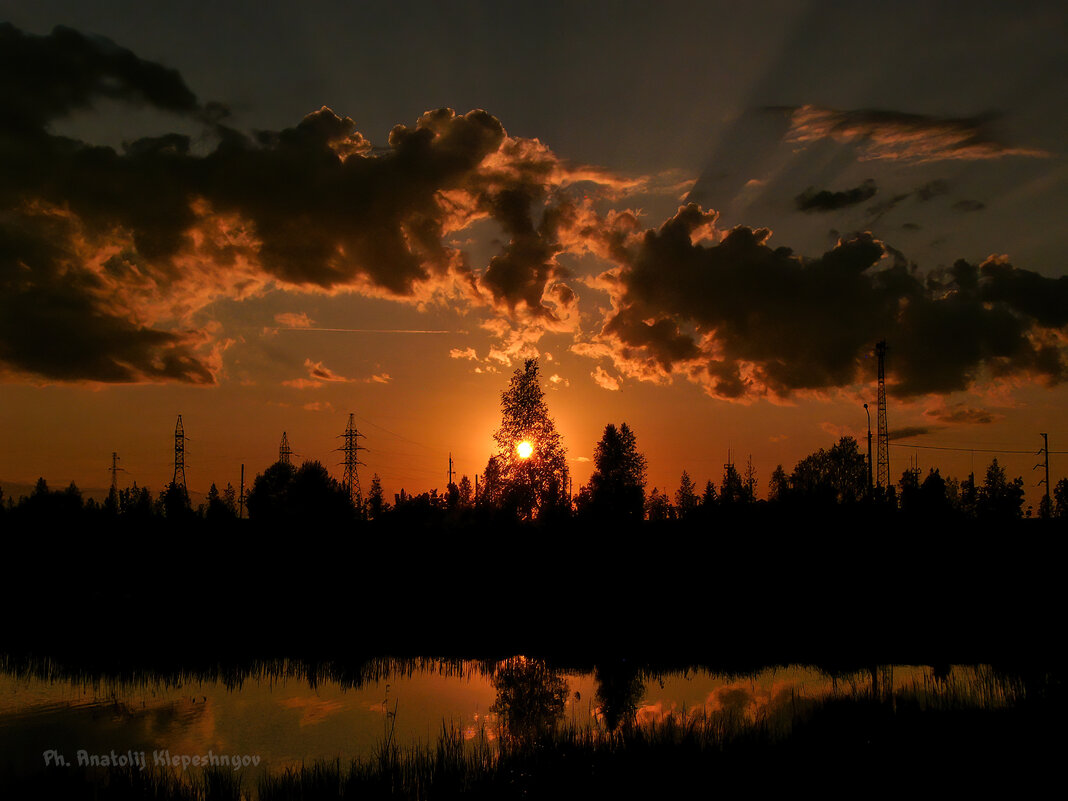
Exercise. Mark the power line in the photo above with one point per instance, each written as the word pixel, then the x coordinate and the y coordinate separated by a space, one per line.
pixel 898 443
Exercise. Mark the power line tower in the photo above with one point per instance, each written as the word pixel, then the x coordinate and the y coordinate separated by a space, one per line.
pixel 285 453
pixel 115 470
pixel 351 449
pixel 883 477
pixel 113 495
pixel 179 455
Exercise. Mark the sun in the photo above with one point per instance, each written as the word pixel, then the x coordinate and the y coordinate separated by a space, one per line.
pixel 524 449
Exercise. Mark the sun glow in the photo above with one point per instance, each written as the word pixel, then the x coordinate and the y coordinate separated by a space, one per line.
pixel 524 449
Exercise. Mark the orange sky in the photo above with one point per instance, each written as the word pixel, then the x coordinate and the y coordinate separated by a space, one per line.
pixel 261 246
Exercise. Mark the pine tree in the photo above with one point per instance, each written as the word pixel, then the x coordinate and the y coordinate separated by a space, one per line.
pixel 466 495
pixel 708 498
pixel 531 458
pixel 779 486
pixel 686 496
pixel 375 502
pixel 617 486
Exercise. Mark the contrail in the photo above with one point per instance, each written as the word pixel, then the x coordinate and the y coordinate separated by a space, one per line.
pixel 363 330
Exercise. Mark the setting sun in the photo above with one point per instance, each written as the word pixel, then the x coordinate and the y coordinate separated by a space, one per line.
pixel 524 449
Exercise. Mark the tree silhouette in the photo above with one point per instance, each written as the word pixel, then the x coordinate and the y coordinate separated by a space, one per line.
pixel 530 698
pixel 934 494
pixel 709 498
pixel 617 486
pixel 285 494
pixel 658 506
pixel 778 486
pixel 174 501
pixel 376 504
pixel 217 508
pixel 686 496
pixel 732 490
pixel 968 497
pixel 267 498
pixel 999 498
pixel 750 482
pixel 908 488
pixel 533 483
pixel 466 493
pixel 620 688
pixel 1060 499
pixel 838 475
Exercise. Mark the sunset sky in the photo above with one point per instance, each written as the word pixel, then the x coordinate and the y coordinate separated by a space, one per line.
pixel 700 216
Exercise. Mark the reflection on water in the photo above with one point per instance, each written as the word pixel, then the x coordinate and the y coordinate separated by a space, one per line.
pixel 288 718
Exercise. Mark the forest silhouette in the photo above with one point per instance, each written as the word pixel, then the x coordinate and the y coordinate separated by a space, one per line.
pixel 824 567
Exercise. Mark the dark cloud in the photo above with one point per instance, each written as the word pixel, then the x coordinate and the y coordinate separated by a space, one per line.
pixel 962 414
pixel 877 211
pixel 969 205
pixel 910 431
pixel 1042 299
pixel 825 200
pixel 155 231
pixel 106 255
pixel 43 78
pixel 59 324
pixel 932 189
pixel 744 318
pixel 882 134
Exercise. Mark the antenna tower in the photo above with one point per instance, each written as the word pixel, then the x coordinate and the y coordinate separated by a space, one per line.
pixel 883 459
pixel 285 453
pixel 351 449
pixel 179 454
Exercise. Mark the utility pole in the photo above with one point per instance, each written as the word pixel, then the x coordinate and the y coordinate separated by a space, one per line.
pixel 1046 509
pixel 884 434
pixel 450 469
pixel 351 449
pixel 179 455
pixel 241 496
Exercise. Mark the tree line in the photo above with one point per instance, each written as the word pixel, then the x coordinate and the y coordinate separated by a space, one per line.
pixel 527 479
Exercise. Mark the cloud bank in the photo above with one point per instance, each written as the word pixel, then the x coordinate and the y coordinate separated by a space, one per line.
pixel 107 257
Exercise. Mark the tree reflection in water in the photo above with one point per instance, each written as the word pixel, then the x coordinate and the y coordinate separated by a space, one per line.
pixel 620 689
pixel 530 699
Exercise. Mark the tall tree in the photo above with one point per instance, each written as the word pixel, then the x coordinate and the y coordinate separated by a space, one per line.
pixel 1060 499
pixel 466 494
pixel 530 455
pixel 709 499
pixel 750 482
pixel 617 486
pixel 838 475
pixel 686 496
pixel 779 486
pixel 375 501
pixel 732 490
pixel 1000 498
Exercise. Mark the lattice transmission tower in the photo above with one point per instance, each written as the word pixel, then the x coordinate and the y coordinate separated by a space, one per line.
pixel 285 453
pixel 351 448
pixel 179 455
pixel 115 470
pixel 883 459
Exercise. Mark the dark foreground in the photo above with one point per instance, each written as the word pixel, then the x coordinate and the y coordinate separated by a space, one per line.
pixel 837 592
pixel 817 590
